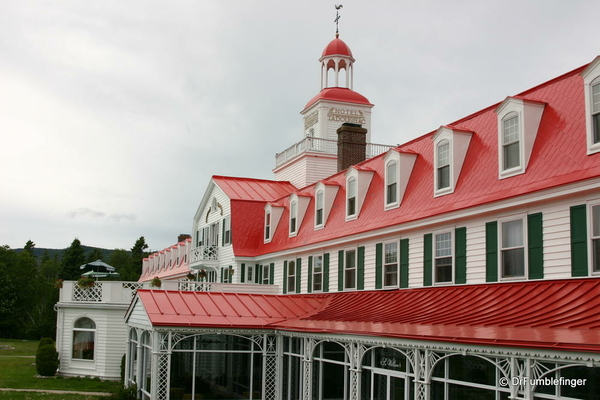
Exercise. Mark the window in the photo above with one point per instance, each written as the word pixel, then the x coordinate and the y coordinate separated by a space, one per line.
pixel 293 216
pixel 390 265
pixel 291 276
pixel 510 142
pixel 319 209
pixel 250 274
pixel 268 226
pixel 512 262
pixel 391 186
pixel 84 337
pixel 596 238
pixel 351 196
pixel 443 165
pixel 596 112
pixel 350 270
pixel 266 275
pixel 443 258
pixel 214 204
pixel 227 231
pixel 317 274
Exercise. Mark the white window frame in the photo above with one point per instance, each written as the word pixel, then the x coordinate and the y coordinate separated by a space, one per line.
pixel 293 218
pixel 291 278
pixel 93 331
pixel 353 270
pixel 268 225
pixel 385 264
pixel 392 165
pixel 266 274
pixel 438 166
pixel 591 78
pixel 352 180
pixel 594 115
pixel 227 231
pixel 501 249
pixel 593 235
pixel 250 273
pixel 321 207
pixel 506 143
pixel 319 273
pixel 435 257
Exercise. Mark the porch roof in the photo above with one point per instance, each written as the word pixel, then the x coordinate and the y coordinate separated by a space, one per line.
pixel 558 314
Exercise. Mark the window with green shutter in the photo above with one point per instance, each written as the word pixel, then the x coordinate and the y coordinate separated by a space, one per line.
pixel 535 241
pixel 427 253
pixel 491 251
pixel 404 263
pixel 579 251
pixel 326 272
pixel 460 243
pixel 378 266
pixel 360 268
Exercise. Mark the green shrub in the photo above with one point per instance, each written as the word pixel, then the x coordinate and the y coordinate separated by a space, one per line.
pixel 44 342
pixel 46 360
pixel 123 368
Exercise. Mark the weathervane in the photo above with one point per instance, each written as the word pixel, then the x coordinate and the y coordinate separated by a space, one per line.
pixel 337 18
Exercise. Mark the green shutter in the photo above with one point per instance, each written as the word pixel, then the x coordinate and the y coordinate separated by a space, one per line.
pixel 243 277
pixel 360 270
pixel 260 274
pixel 378 265
pixel 460 242
pixel 579 253
pixel 310 273
pixel 298 275
pixel 341 271
pixel 222 275
pixel 427 254
pixel 535 242
pixel 404 263
pixel 285 277
pixel 256 277
pixel 223 233
pixel 326 272
pixel 491 252
pixel 271 273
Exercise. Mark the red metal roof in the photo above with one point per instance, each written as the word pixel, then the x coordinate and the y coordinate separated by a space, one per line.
pixel 562 314
pixel 340 94
pixel 253 189
pixel 559 157
pixel 337 47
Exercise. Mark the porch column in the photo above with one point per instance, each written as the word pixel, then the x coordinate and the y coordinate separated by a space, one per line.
pixel 271 366
pixel 161 360
pixel 307 378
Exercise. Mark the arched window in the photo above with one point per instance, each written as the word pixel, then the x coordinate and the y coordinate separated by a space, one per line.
pixel 84 338
pixel 351 197
pixel 293 216
pixel 267 226
pixel 443 165
pixel 511 153
pixel 319 209
pixel 391 183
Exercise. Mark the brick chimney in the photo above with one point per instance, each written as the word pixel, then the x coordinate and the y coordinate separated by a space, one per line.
pixel 352 145
pixel 182 237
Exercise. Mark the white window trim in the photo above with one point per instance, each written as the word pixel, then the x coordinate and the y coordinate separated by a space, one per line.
pixel 383 264
pixel 268 231
pixel 266 272
pixel 322 273
pixel 590 235
pixel 458 145
pixel 291 289
pixel 515 217
pixel 227 229
pixel 450 188
pixel 396 203
pixel 451 231
pixel 591 77
pixel 355 250
pixel 362 177
pixel 294 217
pixel 322 224
pixel 354 215
pixel 276 211
pixel 250 273
pixel 94 330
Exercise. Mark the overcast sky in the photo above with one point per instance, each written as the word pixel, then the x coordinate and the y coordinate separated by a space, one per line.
pixel 115 114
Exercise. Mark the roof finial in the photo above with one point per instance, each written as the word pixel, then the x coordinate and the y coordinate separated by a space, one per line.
pixel 337 18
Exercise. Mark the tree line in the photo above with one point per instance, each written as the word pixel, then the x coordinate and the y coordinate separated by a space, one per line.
pixel 28 283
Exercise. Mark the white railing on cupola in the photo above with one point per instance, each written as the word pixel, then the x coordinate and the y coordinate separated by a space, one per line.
pixel 325 146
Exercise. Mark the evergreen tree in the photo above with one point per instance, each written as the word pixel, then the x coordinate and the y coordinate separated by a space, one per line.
pixel 73 258
pixel 95 254
pixel 121 260
pixel 138 253
pixel 29 246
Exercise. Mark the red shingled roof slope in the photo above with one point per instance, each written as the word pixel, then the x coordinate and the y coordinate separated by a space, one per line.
pixel 253 189
pixel 562 314
pixel 559 157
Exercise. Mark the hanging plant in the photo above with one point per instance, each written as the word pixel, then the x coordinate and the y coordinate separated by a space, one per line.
pixel 59 283
pixel 191 276
pixel 202 274
pixel 155 282
pixel 230 271
pixel 84 282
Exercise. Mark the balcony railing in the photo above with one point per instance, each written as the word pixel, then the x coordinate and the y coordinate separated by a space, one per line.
pixel 324 146
pixel 203 253
pixel 123 292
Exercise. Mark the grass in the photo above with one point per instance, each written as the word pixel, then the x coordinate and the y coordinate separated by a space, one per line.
pixel 45 396
pixel 19 373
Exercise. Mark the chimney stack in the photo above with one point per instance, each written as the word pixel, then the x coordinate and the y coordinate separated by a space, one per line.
pixel 182 237
pixel 352 145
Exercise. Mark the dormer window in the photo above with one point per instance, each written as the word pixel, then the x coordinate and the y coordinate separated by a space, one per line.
pixel 267 226
pixel 319 209
pixel 591 80
pixel 511 155
pixel 391 183
pixel 293 216
pixel 443 165
pixel 518 123
pixel 351 197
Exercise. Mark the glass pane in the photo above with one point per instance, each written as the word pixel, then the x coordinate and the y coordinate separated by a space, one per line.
pixel 470 393
pixel 389 359
pixel 318 282
pixel 350 259
pixel 391 193
pixel 471 369
pixel 596 254
pixel 596 221
pixel 444 177
pixel 319 199
pixel 512 234
pixel 596 98
pixel 85 323
pixel 391 252
pixel 291 268
pixel 443 244
pixel 351 187
pixel 443 269
pixel 349 280
pixel 511 130
pixel 318 264
pixel 352 206
pixel 443 156
pixel 83 345
pixel 511 155
pixel 391 275
pixel 513 263
pixel 291 284
pixel 596 121
pixel 391 173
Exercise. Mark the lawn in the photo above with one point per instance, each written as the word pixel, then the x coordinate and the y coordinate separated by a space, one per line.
pixel 19 373
pixel 45 396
